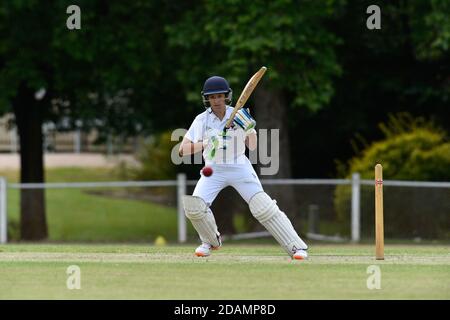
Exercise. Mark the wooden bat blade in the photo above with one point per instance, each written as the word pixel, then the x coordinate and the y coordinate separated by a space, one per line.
pixel 248 89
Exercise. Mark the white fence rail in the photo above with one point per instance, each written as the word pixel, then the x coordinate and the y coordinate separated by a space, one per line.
pixel 181 184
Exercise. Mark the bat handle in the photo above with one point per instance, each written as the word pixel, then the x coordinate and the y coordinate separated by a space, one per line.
pixel 224 134
pixel 227 125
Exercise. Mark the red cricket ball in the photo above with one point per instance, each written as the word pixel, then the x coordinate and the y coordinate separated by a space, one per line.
pixel 207 171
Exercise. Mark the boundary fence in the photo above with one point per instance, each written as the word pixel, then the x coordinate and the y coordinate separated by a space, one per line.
pixel 181 184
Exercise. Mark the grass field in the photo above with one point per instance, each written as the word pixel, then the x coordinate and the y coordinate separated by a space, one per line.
pixel 251 270
pixel 82 215
pixel 237 271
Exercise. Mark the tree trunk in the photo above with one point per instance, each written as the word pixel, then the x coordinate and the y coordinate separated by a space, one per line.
pixel 29 118
pixel 271 112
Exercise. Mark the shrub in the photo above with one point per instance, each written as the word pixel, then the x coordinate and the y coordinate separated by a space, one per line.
pixel 412 149
pixel 155 160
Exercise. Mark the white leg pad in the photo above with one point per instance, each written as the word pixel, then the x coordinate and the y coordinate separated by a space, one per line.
pixel 266 211
pixel 202 219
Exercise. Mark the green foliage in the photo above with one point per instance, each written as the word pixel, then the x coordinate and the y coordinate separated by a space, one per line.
pixel 155 158
pixel 412 150
pixel 431 34
pixel 237 37
pixel 115 73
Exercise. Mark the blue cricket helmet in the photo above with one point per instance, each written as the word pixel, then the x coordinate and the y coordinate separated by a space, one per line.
pixel 214 85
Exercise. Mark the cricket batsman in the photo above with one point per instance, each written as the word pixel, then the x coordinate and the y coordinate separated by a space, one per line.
pixel 224 152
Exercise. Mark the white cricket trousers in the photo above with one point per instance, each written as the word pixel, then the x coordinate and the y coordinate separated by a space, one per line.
pixel 241 177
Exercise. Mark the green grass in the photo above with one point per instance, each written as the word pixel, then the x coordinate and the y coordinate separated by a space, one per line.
pixel 80 215
pixel 254 269
pixel 68 174
pixel 234 272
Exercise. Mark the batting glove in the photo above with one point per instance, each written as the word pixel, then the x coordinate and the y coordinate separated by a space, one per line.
pixel 214 143
pixel 244 120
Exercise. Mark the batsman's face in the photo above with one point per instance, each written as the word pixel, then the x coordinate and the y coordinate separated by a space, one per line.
pixel 217 101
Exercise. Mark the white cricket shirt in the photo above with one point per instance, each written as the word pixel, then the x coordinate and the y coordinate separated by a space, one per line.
pixel 206 125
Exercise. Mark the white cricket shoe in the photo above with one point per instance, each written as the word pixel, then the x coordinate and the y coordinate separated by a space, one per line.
pixel 300 255
pixel 203 250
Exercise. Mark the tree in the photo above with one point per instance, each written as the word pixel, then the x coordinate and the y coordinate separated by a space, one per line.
pixel 236 38
pixel 403 67
pixel 113 74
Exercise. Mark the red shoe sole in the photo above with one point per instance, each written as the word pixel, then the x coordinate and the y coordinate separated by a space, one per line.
pixel 199 254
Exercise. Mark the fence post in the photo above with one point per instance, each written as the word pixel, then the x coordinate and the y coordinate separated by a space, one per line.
pixel 313 218
pixel 181 191
pixel 356 213
pixel 109 145
pixel 3 214
pixel 77 141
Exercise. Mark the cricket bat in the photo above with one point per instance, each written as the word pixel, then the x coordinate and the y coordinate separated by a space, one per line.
pixel 249 87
